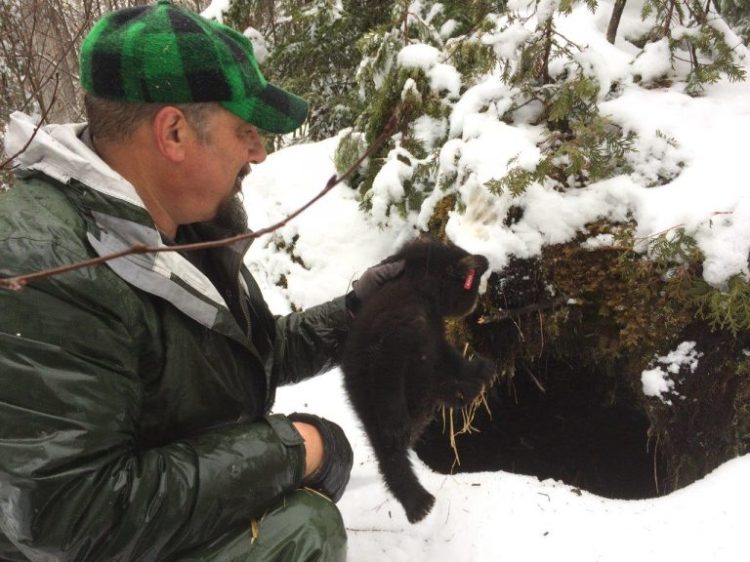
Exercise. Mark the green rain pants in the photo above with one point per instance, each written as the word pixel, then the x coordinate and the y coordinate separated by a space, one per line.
pixel 304 527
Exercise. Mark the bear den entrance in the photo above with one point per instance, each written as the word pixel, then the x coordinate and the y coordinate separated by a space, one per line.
pixel 552 414
pixel 569 426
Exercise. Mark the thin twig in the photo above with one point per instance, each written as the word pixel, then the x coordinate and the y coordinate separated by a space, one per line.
pixel 18 282
pixel 533 378
pixel 681 225
pixel 53 72
pixel 357 530
pixel 503 314
pixel 668 19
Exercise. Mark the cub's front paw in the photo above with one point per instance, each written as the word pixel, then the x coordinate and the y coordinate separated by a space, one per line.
pixel 482 369
pixel 477 376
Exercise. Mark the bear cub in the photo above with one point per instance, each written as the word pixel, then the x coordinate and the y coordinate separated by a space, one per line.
pixel 399 368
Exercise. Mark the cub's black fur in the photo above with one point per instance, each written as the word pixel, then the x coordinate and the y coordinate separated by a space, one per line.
pixel 398 366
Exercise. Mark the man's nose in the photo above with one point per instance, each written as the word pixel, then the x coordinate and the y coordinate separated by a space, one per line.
pixel 256 151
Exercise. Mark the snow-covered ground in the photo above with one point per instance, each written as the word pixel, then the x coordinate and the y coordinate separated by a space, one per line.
pixel 499 516
pixel 697 142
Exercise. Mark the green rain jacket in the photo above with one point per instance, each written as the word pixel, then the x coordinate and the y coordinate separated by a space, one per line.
pixel 134 405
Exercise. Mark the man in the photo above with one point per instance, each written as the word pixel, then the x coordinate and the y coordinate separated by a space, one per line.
pixel 135 396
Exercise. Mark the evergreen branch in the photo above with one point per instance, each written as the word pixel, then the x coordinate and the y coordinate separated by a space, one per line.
pixel 568 41
pixel 516 106
pixel 18 282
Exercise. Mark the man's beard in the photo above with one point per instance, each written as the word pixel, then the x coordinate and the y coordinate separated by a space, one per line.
pixel 231 215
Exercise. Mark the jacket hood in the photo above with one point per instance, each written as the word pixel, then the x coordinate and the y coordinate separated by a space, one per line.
pixel 62 153
pixel 59 152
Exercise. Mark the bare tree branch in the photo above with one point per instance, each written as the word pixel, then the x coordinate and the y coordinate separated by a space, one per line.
pixel 6 163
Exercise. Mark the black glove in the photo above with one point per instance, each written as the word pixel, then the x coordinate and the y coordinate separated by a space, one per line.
pixel 371 280
pixel 332 475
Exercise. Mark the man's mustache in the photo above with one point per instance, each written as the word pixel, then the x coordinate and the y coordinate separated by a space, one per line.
pixel 241 175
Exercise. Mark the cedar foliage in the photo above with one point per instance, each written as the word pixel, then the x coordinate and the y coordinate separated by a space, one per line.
pixel 313 51
pixel 694 32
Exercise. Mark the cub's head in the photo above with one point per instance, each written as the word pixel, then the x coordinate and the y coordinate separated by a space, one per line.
pixel 448 274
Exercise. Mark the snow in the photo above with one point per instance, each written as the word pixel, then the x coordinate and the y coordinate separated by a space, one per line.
pixel 598 241
pixel 486 517
pixel 216 10
pixel 445 77
pixel 656 382
pixel 659 381
pixel 689 171
pixel 260 46
pixel 418 56
pixel 429 130
pixel 685 355
pixel 278 187
pixel 654 61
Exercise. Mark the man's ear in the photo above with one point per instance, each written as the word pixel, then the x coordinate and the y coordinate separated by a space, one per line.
pixel 171 133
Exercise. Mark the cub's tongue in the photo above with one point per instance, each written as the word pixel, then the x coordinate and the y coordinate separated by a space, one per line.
pixel 469 279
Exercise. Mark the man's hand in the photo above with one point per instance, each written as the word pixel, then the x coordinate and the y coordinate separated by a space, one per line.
pixel 313 446
pixel 328 455
pixel 371 280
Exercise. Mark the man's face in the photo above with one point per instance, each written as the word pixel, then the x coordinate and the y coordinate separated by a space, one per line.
pixel 217 165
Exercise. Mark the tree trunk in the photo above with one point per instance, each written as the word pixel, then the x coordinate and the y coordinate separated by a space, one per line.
pixel 614 21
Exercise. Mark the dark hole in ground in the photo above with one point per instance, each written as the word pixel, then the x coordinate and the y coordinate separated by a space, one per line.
pixel 578 431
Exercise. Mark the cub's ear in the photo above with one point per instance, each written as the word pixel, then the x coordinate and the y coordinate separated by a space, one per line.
pixel 391 259
pixel 476 262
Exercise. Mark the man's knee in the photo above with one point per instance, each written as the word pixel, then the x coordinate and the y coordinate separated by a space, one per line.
pixel 305 525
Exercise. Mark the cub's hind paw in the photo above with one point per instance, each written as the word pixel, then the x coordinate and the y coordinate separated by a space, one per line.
pixel 419 505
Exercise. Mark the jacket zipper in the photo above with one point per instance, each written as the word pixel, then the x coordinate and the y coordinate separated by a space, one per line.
pixel 241 295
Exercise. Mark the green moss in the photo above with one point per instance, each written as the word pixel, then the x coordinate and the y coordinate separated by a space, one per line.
pixel 624 308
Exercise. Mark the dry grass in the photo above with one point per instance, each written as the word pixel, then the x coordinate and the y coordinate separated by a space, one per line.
pixel 467 412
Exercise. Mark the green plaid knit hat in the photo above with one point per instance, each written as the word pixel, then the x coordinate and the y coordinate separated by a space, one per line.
pixel 165 54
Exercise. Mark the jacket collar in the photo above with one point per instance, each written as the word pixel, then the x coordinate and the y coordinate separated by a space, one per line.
pixel 57 151
pixel 120 219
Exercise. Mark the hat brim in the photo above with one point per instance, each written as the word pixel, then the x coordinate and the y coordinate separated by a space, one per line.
pixel 273 110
